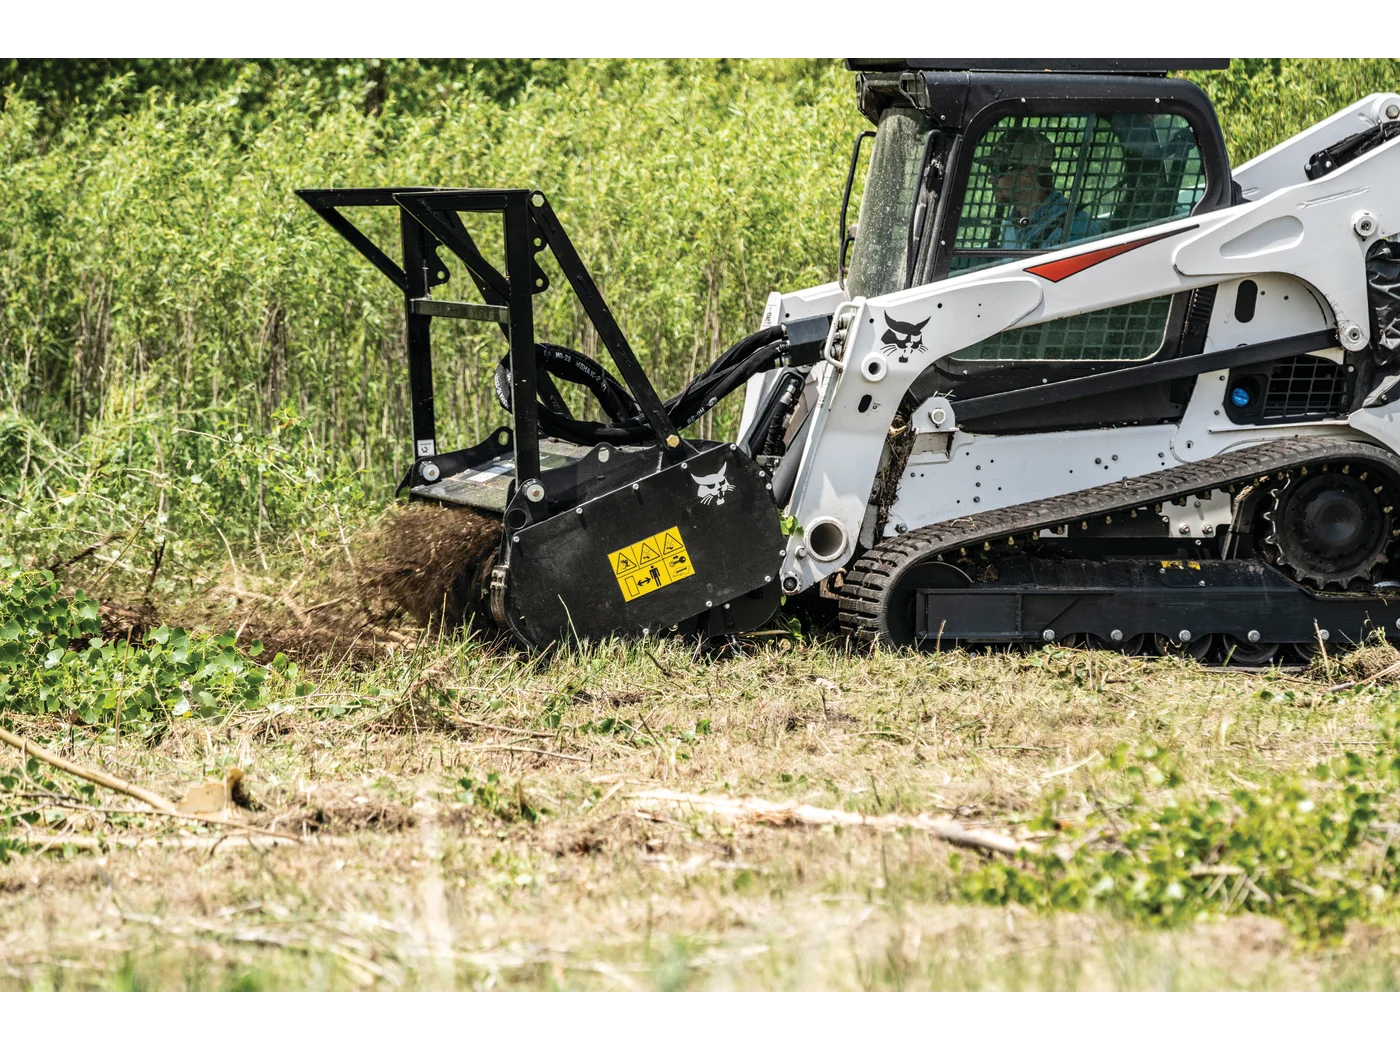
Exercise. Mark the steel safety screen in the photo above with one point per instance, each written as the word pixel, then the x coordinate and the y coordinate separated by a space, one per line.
pixel 1131 332
pixel 1040 183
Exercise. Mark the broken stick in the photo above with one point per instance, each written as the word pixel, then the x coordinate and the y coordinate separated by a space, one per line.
pixel 94 776
pixel 796 813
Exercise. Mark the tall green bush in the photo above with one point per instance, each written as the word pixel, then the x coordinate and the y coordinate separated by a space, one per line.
pixel 162 289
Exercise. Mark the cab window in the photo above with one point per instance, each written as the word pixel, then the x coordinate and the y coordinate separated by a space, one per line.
pixel 1131 332
pixel 1043 182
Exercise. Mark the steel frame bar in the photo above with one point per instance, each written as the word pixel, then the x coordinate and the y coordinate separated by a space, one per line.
pixel 430 218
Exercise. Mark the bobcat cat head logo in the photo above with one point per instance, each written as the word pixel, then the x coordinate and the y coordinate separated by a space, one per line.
pixel 712 487
pixel 903 337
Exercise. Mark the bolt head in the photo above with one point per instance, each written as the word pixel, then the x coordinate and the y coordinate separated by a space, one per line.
pixel 1253 636
pixel 1047 635
pixel 534 492
pixel 709 605
pixel 1392 112
pixel 1115 635
pixel 1184 636
pixel 801 552
pixel 430 471
pixel 1323 635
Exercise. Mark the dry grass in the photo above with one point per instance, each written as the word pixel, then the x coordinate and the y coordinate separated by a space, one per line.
pixel 403 884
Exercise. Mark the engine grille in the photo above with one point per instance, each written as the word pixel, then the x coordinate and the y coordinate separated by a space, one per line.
pixel 1304 387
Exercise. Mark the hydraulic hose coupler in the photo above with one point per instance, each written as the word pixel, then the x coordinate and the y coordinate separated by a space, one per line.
pixel 805 338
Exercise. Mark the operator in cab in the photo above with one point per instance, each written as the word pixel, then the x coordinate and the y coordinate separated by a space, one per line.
pixel 1022 164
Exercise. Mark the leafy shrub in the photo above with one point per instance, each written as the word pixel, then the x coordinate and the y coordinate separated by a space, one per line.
pixel 53 661
pixel 1309 853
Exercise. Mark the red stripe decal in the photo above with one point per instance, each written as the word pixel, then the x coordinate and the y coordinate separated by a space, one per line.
pixel 1058 270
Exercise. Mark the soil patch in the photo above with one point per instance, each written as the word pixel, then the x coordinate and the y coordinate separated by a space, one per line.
pixel 422 566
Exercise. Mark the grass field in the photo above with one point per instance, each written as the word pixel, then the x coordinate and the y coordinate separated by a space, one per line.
pixel 478 825
pixel 203 412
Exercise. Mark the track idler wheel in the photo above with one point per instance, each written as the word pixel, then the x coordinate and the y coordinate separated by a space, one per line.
pixel 1240 652
pixel 1197 649
pixel 1096 643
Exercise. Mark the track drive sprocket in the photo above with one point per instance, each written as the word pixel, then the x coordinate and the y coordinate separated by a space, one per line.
pixel 1330 528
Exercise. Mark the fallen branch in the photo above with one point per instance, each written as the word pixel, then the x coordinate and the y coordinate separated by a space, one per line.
pixel 160 804
pixel 667 672
pixel 92 776
pixel 789 813
pixel 181 840
pixel 457 720
pixel 1070 769
pixel 1382 673
pixel 534 751
pixel 198 818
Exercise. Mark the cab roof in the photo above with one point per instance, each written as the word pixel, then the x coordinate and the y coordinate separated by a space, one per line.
pixel 1145 67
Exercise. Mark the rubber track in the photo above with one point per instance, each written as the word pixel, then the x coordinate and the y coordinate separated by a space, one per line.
pixel 873 574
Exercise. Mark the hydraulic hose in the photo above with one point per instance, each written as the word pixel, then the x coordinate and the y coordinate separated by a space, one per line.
pixel 626 423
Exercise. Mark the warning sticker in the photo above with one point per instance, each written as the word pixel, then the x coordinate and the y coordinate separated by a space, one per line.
pixel 657 561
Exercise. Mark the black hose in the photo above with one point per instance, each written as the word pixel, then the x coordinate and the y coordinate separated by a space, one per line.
pixel 626 422
pixel 766 436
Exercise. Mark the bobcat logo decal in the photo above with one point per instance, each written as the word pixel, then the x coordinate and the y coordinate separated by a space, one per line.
pixel 712 487
pixel 903 337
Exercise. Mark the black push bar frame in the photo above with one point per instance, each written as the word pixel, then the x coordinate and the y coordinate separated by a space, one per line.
pixel 430 219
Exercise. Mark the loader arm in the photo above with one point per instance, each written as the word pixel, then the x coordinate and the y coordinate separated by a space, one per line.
pixel 1307 230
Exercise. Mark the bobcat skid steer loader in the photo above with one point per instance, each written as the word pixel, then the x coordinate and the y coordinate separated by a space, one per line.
pixel 1078 381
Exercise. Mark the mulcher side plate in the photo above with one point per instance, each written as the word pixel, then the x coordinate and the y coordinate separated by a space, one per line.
pixel 670 549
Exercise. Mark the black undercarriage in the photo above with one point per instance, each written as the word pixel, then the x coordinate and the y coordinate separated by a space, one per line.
pixel 1301 562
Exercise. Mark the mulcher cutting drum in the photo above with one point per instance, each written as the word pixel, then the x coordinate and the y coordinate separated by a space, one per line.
pixel 694 547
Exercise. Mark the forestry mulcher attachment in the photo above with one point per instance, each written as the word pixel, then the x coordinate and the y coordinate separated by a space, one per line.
pixel 1079 381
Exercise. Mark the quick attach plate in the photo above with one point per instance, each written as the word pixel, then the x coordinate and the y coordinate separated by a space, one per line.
pixel 669 550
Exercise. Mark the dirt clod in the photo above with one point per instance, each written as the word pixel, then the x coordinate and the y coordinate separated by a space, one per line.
pixel 421 566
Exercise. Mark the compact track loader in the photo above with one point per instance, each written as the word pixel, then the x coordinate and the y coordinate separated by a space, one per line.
pixel 1079 381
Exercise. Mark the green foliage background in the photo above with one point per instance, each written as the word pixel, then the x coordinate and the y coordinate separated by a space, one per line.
pixel 190 358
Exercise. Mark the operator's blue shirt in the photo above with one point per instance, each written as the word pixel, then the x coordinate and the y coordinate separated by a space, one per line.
pixel 1044 228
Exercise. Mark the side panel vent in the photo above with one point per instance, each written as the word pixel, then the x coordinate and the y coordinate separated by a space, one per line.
pixel 1304 387
pixel 1294 390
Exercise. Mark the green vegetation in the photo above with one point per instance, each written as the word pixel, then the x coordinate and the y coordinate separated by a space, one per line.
pixel 54 661
pixel 202 406
pixel 1298 850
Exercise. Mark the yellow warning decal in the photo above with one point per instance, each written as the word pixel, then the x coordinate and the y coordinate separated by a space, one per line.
pixel 1181 565
pixel 657 561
